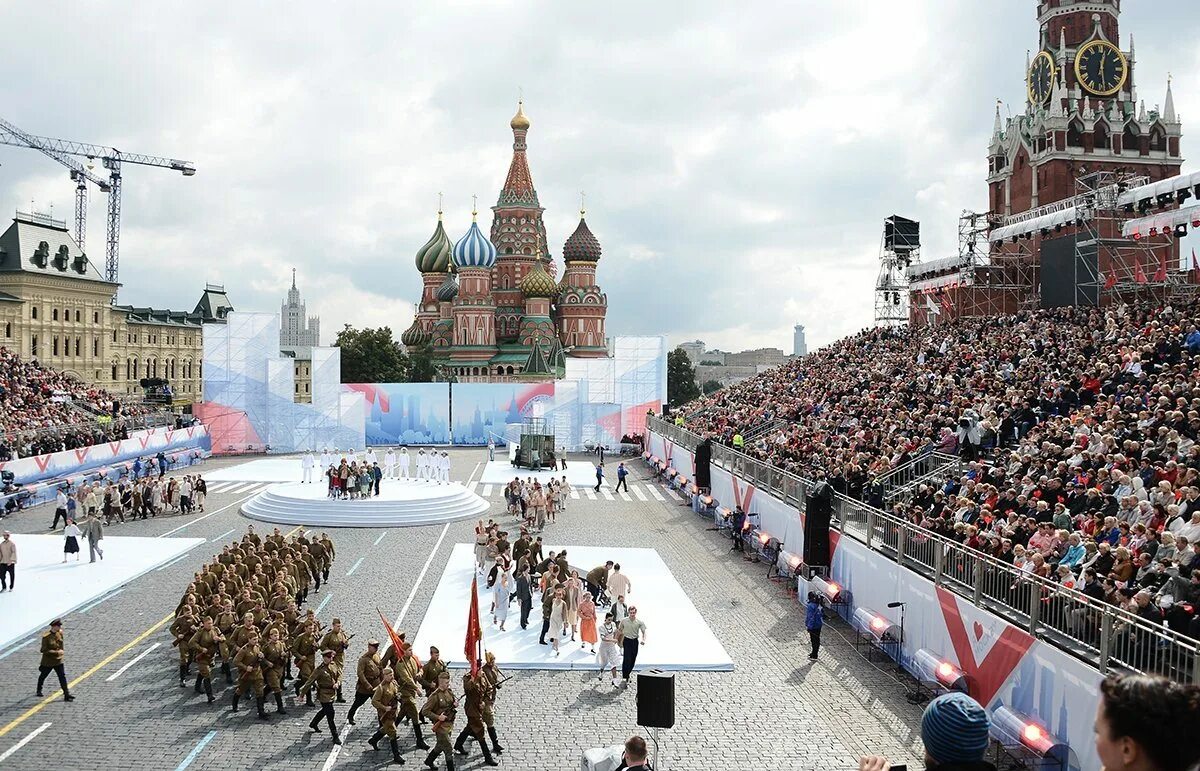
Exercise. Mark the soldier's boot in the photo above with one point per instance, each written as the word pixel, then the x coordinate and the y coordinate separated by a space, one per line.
pixel 236 698
pixel 432 756
pixel 496 748
pixel 262 713
pixel 449 763
pixel 287 674
pixel 488 760
pixel 308 702
pixel 421 743
pixel 374 740
pixel 353 709
pixel 228 674
pixel 340 699
pixel 199 683
pixel 460 743
pixel 298 684
pixel 396 752
pixel 279 703
pixel 336 739
pixel 183 675
pixel 208 689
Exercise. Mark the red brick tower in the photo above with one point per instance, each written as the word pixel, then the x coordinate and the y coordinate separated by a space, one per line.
pixel 581 304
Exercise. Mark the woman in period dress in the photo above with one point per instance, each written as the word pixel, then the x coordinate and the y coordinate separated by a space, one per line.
pixel 71 542
pixel 557 611
pixel 500 596
pixel 481 540
pixel 571 593
pixel 587 621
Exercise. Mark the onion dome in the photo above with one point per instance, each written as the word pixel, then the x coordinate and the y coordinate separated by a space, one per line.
pixel 448 290
pixel 539 283
pixel 519 120
pixel 474 250
pixel 414 336
pixel 434 256
pixel 582 245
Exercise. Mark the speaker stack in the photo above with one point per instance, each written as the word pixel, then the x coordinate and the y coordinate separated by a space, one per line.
pixel 656 699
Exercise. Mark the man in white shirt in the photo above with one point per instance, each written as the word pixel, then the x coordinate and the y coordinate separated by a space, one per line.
pixel 326 458
pixel 445 467
pixel 404 461
pixel 389 464
pixel 372 459
pixel 185 495
pixel 308 462
pixel 618 583
pixel 422 463
pixel 60 507
pixel 491 448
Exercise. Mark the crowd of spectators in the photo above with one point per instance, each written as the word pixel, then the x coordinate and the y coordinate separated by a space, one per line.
pixel 1078 430
pixel 43 410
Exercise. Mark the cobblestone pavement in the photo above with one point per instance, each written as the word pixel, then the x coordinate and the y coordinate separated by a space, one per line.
pixel 776 710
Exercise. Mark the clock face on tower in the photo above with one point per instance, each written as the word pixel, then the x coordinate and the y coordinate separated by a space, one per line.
pixel 1100 68
pixel 1040 80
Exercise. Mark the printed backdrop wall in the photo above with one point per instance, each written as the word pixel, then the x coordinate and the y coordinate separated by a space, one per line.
pixel 140 444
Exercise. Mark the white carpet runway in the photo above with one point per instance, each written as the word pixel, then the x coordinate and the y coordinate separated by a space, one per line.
pixel 48 589
pixel 677 637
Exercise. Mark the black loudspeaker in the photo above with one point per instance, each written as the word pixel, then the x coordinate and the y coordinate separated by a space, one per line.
pixel 818 512
pixel 703 459
pixel 656 699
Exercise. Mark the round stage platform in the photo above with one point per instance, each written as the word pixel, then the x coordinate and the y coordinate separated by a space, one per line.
pixel 401 503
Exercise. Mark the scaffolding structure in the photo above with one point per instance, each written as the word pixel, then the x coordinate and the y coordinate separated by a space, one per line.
pixel 995 281
pixel 896 255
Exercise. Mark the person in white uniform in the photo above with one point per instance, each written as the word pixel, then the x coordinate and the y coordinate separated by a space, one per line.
pixel 372 458
pixel 389 464
pixel 445 467
pixel 404 461
pixel 422 463
pixel 326 458
pixel 308 462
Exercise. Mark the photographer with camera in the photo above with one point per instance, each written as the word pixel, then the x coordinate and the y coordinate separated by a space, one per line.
pixel 814 619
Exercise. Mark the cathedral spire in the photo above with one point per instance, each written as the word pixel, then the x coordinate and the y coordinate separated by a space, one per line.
pixel 996 131
pixel 294 270
pixel 518 190
pixel 1169 104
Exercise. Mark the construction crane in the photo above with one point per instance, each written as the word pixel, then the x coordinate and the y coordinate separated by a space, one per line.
pixel 113 159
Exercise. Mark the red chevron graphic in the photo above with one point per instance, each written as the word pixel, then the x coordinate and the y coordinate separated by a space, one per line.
pixel 145 440
pixel 114 448
pixel 742 498
pixel 42 461
pixel 987 677
pixel 81 455
pixel 170 433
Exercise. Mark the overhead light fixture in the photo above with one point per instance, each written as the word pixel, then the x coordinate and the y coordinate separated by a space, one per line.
pixel 1180 230
pixel 1164 199
pixel 1144 205
pixel 1183 195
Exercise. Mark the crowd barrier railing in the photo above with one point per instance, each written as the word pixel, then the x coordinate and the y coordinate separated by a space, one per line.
pixel 1106 636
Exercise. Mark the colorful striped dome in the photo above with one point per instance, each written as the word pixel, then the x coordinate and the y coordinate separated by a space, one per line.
pixel 414 336
pixel 473 250
pixel 582 245
pixel 448 290
pixel 434 256
pixel 539 283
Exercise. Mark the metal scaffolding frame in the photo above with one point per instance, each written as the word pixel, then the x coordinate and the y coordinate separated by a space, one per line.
pixel 891 286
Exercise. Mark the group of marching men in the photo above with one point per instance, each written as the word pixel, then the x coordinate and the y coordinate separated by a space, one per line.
pixel 431 466
pixel 243 608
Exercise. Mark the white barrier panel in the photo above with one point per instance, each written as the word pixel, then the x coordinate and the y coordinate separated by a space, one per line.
pixel 147 442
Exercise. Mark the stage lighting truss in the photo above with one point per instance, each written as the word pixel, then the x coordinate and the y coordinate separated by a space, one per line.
pixel 1166 223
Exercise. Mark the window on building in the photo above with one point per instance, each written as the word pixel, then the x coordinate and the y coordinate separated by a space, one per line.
pixel 114 373
pixel 114 335
pixel 78 314
pixel 1075 134
pixel 1130 145
pixel 297 388
pixel 54 314
pixel 129 369
pixel 95 346
pixel 55 353
pixel 96 317
pixel 33 345
pixel 8 329
pixel 78 346
pixel 1101 138
pixel 1158 140
pixel 33 312
pixel 306 385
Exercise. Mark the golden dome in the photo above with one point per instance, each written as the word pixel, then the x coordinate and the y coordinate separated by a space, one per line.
pixel 519 120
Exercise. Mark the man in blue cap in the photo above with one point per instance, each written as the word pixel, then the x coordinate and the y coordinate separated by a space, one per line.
pixel 954 729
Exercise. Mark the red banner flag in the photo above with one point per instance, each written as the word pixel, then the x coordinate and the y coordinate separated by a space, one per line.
pixel 473 645
pixel 397 643
pixel 1111 279
pixel 1139 275
pixel 1160 275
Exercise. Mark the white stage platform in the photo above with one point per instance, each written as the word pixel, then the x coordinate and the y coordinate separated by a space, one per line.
pixel 48 589
pixel 678 638
pixel 580 473
pixel 400 503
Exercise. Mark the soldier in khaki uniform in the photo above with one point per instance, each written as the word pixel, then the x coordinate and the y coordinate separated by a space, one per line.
pixel 275 660
pixel 493 677
pixel 226 621
pixel 441 707
pixel 474 687
pixel 370 671
pixel 249 662
pixel 304 649
pixel 336 640
pixel 182 629
pixel 406 673
pixel 52 659
pixel 432 670
pixel 205 644
pixel 330 553
pixel 386 700
pixel 326 678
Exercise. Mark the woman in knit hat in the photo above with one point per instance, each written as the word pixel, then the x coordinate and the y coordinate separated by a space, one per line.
pixel 954 729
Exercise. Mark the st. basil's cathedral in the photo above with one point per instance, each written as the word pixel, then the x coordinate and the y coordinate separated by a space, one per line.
pixel 491 309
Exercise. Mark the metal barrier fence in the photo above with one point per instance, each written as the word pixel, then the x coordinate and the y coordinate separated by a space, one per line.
pixel 1106 636
pixel 131 423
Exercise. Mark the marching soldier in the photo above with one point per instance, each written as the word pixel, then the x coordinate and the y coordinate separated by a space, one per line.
pixel 474 691
pixel 249 661
pixel 226 622
pixel 52 659
pixel 275 660
pixel 336 640
pixel 327 543
pixel 370 670
pixel 184 626
pixel 406 673
pixel 493 678
pixel 326 678
pixel 386 700
pixel 432 670
pixel 204 645
pixel 441 707
pixel 304 650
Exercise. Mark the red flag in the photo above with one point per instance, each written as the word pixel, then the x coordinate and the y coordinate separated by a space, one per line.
pixel 1111 279
pixel 1139 275
pixel 397 643
pixel 1160 275
pixel 474 642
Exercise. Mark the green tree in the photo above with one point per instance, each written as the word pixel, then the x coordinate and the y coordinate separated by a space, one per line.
pixel 710 386
pixel 372 356
pixel 423 369
pixel 681 378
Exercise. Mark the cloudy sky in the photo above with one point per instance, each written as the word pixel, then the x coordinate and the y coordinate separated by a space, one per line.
pixel 738 158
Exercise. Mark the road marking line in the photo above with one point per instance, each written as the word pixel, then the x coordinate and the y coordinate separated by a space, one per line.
pixel 606 493
pixel 655 493
pixel 337 748
pixel 222 535
pixel 420 577
pixel 356 564
pixel 196 751
pixel 324 602
pixel 487 491
pixel 132 661
pixel 575 493
pixel 590 493
pixel 205 516
pixel 32 734
pixel 625 496
pixel 54 696
pixel 380 538
pixel 14 649
pixel 93 604
pixel 638 492
pixel 219 487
